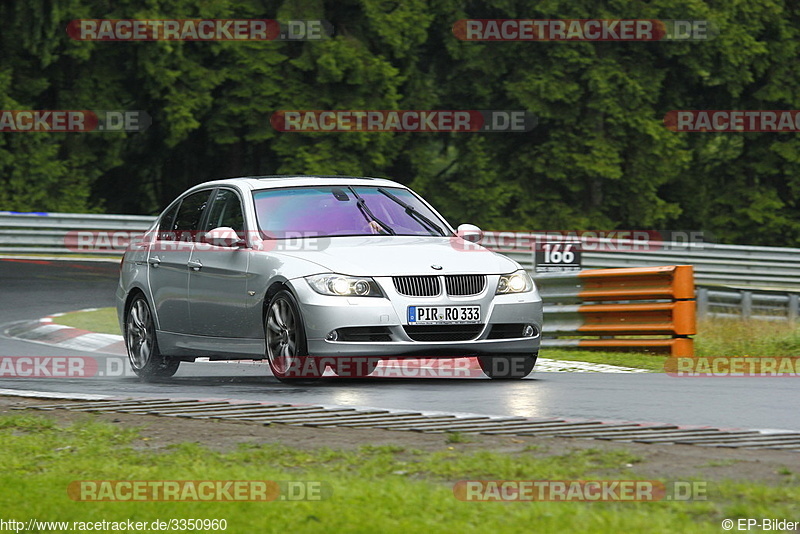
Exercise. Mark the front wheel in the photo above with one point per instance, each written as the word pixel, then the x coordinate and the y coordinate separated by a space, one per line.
pixel 285 338
pixel 507 366
pixel 140 340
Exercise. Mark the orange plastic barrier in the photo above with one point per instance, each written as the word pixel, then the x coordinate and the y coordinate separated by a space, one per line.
pixel 598 303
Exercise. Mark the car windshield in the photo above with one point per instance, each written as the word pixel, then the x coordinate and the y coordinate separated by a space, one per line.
pixel 344 211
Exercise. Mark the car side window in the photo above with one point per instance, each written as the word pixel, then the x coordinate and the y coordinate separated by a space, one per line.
pixel 226 210
pixel 187 220
pixel 166 224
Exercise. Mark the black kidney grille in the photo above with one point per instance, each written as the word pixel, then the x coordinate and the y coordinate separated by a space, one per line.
pixel 464 284
pixel 417 286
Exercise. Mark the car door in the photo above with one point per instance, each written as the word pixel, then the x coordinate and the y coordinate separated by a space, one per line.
pixel 168 261
pixel 218 275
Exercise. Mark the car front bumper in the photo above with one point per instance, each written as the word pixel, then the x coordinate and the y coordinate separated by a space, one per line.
pixel 324 314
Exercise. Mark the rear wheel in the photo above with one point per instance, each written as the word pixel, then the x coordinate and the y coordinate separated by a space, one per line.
pixel 507 366
pixel 140 339
pixel 285 338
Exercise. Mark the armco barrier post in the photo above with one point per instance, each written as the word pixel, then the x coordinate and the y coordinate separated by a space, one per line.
pixel 702 302
pixel 794 304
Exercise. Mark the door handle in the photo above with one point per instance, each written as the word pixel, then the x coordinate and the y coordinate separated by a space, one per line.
pixel 155 261
pixel 195 265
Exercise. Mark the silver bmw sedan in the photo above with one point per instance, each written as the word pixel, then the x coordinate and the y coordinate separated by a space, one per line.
pixel 311 272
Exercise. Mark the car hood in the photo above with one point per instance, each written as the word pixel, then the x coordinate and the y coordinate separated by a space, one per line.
pixel 401 255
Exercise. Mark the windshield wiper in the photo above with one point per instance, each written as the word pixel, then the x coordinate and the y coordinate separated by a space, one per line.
pixel 367 213
pixel 413 213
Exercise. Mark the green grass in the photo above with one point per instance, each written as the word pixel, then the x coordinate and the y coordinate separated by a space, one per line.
pixel 732 337
pixel 374 489
pixel 717 337
pixel 458 437
pixel 721 463
pixel 102 320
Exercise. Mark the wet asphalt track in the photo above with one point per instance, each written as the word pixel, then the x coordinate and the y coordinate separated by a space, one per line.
pixel 29 290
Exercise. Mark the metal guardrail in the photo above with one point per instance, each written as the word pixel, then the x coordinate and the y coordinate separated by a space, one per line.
pixel 757 267
pixel 733 280
pixel 737 303
pixel 714 264
pixel 59 233
pixel 75 221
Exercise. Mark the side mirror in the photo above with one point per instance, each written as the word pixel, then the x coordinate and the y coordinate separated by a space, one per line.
pixel 223 236
pixel 469 232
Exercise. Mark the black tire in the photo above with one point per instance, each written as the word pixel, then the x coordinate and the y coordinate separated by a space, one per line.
pixel 355 367
pixel 140 340
pixel 508 366
pixel 285 340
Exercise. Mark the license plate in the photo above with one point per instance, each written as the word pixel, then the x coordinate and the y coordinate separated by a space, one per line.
pixel 444 314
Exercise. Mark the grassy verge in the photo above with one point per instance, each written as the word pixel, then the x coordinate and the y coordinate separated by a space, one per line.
pixel 102 320
pixel 731 337
pixel 372 489
pixel 717 337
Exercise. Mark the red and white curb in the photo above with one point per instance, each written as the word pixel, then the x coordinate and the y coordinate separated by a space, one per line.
pixel 48 332
pixel 550 366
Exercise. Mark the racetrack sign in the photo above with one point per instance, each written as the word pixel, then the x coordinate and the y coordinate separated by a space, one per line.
pixel 557 256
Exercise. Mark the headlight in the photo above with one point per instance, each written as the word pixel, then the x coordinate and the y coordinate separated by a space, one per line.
pixel 344 286
pixel 518 282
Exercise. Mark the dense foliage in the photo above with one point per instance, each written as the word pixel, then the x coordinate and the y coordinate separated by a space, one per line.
pixel 600 157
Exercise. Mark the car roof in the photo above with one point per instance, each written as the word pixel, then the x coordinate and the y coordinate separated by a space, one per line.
pixel 296 180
